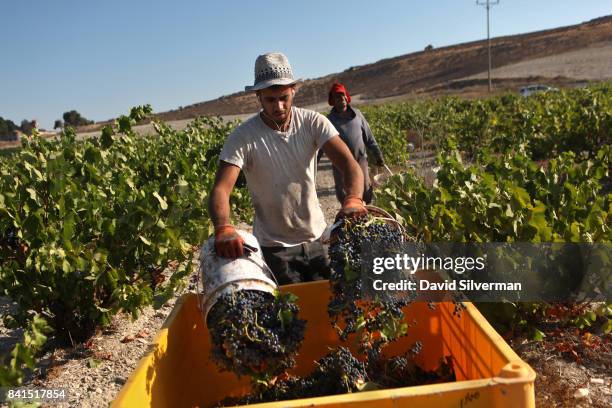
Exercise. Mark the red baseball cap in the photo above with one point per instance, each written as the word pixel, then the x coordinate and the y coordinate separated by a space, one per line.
pixel 338 88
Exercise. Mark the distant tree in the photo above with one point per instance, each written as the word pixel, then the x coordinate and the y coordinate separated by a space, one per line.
pixel 74 118
pixel 429 47
pixel 7 129
pixel 58 124
pixel 28 126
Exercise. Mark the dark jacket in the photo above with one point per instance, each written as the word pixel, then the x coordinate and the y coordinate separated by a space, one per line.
pixel 357 135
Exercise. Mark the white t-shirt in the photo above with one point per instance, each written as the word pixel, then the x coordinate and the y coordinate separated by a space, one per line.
pixel 280 171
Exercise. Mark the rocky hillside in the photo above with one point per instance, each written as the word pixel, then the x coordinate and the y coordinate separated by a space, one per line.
pixel 425 71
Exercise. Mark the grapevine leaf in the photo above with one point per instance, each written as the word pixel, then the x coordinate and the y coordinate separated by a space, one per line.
pixel 162 203
pixel 106 138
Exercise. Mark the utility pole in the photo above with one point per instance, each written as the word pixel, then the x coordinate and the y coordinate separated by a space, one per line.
pixel 488 5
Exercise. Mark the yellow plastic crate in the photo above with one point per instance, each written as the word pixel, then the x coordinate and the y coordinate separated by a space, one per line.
pixel 178 373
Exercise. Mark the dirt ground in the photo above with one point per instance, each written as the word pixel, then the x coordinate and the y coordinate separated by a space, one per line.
pixel 592 63
pixel 566 382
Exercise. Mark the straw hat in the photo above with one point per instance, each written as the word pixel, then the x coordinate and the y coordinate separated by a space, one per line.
pixel 272 69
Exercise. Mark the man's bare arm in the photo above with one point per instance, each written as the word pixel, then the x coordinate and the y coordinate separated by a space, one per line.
pixel 343 160
pixel 218 203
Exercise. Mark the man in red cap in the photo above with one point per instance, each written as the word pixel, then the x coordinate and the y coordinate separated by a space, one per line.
pixel 356 133
pixel 276 150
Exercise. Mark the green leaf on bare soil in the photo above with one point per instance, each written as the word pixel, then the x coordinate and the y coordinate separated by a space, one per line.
pixel 93 362
pixel 538 335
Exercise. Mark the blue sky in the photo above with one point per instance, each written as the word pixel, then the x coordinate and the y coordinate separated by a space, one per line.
pixel 102 57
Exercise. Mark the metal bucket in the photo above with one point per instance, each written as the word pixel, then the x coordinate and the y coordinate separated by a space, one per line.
pixel 380 179
pixel 224 275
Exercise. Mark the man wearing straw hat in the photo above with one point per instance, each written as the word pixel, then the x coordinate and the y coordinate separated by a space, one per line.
pixel 276 149
pixel 355 132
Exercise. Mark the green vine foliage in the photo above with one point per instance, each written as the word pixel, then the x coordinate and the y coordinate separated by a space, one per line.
pixel 507 198
pixel 13 368
pixel 511 169
pixel 544 125
pixel 97 219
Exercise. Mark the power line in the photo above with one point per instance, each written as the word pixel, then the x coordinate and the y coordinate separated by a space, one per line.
pixel 488 5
